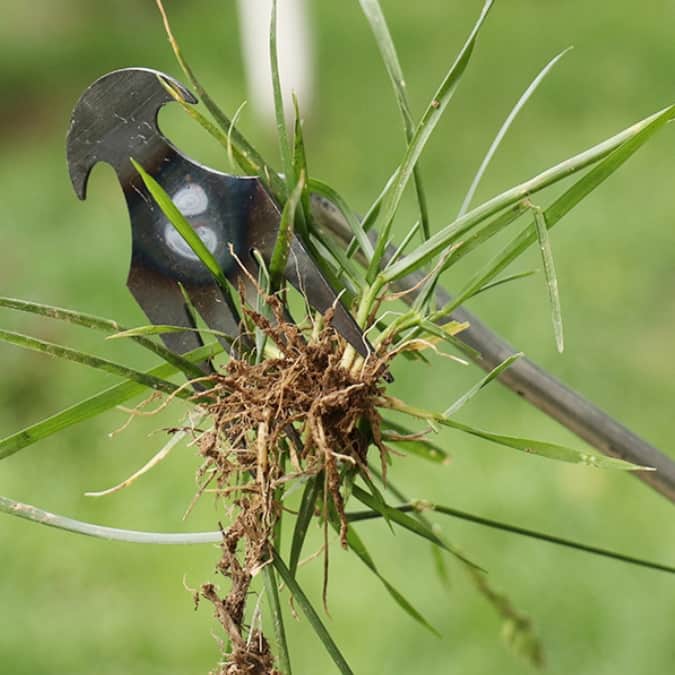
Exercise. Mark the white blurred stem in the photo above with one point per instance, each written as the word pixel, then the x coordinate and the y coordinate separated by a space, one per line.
pixel 295 55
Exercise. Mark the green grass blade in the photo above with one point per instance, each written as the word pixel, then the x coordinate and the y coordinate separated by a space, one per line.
pixel 264 282
pixel 414 446
pixel 282 129
pixel 300 169
pixel 347 273
pixel 544 449
pixel 282 245
pixel 631 140
pixel 32 513
pixel 312 616
pixel 440 567
pixel 467 245
pixel 251 162
pixel 94 405
pixel 495 372
pixel 58 351
pixel 105 325
pixel 440 332
pixel 378 25
pixel 221 137
pixel 620 147
pixel 214 131
pixel 519 624
pixel 504 129
pixel 233 124
pixel 407 522
pixel 327 192
pixel 416 507
pixel 437 553
pixel 377 496
pixel 404 243
pixel 423 131
pixel 551 279
pixel 272 591
pixel 505 280
pixel 482 234
pixel 372 214
pixel 182 225
pixel 161 329
pixel 304 518
pixel 357 546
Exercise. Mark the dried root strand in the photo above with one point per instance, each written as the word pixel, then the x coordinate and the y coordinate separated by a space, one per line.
pixel 301 404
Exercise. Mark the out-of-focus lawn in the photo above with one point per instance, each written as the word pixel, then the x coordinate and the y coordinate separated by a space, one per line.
pixel 73 605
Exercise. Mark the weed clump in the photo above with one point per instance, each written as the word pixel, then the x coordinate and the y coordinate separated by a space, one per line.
pixel 296 415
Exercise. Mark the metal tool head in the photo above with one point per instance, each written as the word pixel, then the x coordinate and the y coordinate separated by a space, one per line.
pixel 115 119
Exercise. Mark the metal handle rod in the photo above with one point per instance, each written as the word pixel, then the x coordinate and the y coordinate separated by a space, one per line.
pixel 533 383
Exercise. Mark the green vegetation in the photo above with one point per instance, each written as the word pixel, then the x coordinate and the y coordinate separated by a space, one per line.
pixel 124 608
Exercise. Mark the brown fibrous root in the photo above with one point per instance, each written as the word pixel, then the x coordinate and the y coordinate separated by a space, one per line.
pixel 298 415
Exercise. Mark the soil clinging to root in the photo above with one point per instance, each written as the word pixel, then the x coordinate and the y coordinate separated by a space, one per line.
pixel 298 415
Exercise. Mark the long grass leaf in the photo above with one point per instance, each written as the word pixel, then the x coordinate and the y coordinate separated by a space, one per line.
pixel 620 147
pixel 473 240
pixel 407 522
pixel 632 139
pixel 162 329
pixel 551 278
pixel 272 592
pixel 280 118
pixel 495 372
pixel 94 405
pixel 404 439
pixel 357 546
pixel 105 325
pixel 518 624
pixel 311 614
pixel 304 518
pixel 33 513
pixel 183 227
pixel 423 131
pixel 248 158
pixel 504 129
pixel 336 201
pixel 303 223
pixel 459 249
pixel 58 351
pixel 378 24
pixel 404 243
pixel 377 496
pixel 282 245
pixel 212 129
pixel 523 636
pixel 544 449
pixel 505 280
pixel 423 506
pixel 347 272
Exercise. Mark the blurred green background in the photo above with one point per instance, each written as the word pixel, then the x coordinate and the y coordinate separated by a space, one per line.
pixel 75 605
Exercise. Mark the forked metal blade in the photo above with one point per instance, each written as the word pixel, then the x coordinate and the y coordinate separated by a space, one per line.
pixel 116 119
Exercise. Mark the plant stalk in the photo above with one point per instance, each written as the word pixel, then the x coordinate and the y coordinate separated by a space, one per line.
pixel 272 591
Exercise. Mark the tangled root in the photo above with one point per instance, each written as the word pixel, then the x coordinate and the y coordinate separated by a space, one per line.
pixel 299 415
